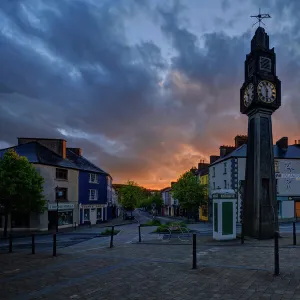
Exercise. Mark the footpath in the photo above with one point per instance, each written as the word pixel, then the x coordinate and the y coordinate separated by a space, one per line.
pixel 160 270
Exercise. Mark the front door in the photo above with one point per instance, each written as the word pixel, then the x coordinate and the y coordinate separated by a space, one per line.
pixel 297 209
pixel 93 216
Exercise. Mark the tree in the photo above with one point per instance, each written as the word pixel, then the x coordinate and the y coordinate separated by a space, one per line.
pixel 130 195
pixel 21 186
pixel 156 199
pixel 189 192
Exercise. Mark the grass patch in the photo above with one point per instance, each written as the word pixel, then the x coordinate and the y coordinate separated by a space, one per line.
pixel 152 223
pixel 108 232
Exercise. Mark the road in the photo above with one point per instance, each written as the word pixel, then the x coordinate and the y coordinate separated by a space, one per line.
pixel 89 238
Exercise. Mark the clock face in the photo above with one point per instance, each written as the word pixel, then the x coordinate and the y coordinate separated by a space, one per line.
pixel 248 94
pixel 266 91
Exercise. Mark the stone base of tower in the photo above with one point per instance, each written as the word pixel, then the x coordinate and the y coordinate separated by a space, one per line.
pixel 260 206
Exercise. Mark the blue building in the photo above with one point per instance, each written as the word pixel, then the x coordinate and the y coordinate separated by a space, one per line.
pixel 94 190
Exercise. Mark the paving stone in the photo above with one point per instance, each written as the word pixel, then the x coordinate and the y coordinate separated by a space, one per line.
pixel 153 271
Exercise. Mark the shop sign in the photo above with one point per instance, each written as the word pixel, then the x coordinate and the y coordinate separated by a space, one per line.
pixel 224 196
pixel 93 206
pixel 287 175
pixel 61 206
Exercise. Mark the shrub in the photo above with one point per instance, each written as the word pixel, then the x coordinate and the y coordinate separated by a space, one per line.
pixel 151 223
pixel 108 232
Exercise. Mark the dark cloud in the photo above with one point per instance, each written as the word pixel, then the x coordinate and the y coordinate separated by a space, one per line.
pixel 70 65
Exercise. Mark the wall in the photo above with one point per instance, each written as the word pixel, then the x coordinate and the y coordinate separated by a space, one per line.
pixel 220 176
pixel 84 187
pixel 288 186
pixel 49 174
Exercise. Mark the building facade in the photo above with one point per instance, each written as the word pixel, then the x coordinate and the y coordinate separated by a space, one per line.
pixel 60 186
pixel 75 190
pixel 95 190
pixel 228 172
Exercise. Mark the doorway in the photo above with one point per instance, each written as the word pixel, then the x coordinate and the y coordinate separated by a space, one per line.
pixel 93 217
pixel 297 209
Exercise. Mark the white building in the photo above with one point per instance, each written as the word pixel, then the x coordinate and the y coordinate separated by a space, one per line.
pixel 228 172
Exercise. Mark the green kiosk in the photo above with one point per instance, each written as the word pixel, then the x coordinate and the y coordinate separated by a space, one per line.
pixel 224 214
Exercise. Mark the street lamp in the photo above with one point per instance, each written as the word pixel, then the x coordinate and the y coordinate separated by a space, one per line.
pixel 58 193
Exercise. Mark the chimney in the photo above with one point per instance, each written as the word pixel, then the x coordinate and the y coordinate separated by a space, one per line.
pixel 213 158
pixel 77 151
pixel 56 145
pixel 283 144
pixel 225 150
pixel 202 165
pixel 240 140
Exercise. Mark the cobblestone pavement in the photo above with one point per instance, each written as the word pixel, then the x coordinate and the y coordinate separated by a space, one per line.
pixel 154 269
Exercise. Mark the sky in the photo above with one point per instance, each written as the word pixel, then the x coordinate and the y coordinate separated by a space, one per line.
pixel 146 88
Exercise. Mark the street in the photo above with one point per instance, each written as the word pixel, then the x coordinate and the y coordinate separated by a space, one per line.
pixel 90 236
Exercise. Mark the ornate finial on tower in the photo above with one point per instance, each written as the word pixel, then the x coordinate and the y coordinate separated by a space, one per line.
pixel 260 17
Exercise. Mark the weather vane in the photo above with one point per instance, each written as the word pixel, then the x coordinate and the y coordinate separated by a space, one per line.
pixel 259 17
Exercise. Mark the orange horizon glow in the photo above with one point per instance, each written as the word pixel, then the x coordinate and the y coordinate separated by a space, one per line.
pixel 160 184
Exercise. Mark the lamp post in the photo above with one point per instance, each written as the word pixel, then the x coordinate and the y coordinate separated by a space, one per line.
pixel 58 193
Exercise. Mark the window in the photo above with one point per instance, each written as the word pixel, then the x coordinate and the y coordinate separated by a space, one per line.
pixel 61 194
pixel 250 68
pixel 225 184
pixel 225 168
pixel 62 174
pixel 214 172
pixel 99 213
pixel 214 186
pixel 93 178
pixel 276 166
pixel 86 214
pixel 65 218
pixel 93 195
pixel 265 63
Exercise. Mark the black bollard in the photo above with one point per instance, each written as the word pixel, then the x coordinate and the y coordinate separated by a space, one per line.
pixel 140 238
pixel 276 253
pixel 33 244
pixel 10 243
pixel 194 252
pixel 112 237
pixel 294 234
pixel 242 234
pixel 54 244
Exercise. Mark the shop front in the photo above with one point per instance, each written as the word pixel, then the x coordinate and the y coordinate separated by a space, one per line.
pixel 64 215
pixel 93 214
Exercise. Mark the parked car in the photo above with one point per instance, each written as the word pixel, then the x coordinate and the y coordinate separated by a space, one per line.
pixel 128 216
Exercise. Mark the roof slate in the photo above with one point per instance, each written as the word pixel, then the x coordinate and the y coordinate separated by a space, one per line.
pixel 82 163
pixel 39 154
pixel 293 152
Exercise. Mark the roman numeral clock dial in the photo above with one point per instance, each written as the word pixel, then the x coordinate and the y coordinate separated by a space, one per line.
pixel 266 91
pixel 248 94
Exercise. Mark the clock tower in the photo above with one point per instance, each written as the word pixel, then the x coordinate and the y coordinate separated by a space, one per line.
pixel 260 96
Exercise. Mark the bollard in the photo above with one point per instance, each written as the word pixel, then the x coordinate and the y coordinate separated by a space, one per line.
pixel 194 252
pixel 294 234
pixel 276 253
pixel 242 234
pixel 112 237
pixel 75 226
pixel 33 244
pixel 10 243
pixel 140 238
pixel 54 244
